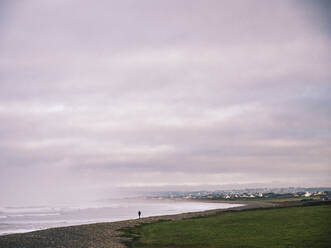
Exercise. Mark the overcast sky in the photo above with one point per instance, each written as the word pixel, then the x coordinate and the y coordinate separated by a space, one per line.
pixel 96 95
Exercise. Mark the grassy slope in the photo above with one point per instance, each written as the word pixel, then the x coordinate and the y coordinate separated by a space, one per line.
pixel 280 227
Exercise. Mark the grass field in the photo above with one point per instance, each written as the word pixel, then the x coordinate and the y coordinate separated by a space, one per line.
pixel 280 227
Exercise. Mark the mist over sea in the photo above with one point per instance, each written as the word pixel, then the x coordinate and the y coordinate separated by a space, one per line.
pixel 14 219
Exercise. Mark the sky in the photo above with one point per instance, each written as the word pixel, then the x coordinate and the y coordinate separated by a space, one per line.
pixel 102 96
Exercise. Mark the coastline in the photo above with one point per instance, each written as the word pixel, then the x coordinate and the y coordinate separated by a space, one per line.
pixel 36 218
pixel 106 234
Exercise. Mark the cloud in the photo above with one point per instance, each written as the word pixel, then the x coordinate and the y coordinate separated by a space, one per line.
pixel 108 94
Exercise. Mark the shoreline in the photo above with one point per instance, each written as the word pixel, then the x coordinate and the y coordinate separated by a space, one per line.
pixel 148 216
pixel 107 234
pixel 200 207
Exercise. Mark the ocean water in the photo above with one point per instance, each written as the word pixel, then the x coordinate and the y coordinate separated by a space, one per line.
pixel 30 218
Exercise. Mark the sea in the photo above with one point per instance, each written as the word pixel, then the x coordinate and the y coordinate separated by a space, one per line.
pixel 20 219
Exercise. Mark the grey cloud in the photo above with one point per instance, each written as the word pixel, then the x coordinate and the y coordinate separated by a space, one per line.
pixel 163 92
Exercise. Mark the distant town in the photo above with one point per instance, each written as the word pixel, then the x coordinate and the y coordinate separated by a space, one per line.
pixel 249 194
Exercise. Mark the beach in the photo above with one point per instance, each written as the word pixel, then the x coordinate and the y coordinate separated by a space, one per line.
pixel 105 234
pixel 21 219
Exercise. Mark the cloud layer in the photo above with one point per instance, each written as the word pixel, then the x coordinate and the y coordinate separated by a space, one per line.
pixel 111 94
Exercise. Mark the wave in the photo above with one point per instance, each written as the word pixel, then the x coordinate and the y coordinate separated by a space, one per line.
pixel 24 230
pixel 32 215
pixel 28 209
pixel 59 208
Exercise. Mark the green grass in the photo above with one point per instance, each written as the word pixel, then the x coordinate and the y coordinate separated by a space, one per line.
pixel 292 199
pixel 280 227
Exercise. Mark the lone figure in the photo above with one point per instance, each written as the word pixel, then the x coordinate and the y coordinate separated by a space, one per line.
pixel 139 213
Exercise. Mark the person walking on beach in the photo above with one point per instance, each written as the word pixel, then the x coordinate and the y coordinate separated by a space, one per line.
pixel 139 213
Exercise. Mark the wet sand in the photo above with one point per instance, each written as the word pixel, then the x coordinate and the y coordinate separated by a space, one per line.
pixel 104 235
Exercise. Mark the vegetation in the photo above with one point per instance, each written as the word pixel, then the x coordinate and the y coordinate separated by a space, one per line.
pixel 291 200
pixel 302 226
